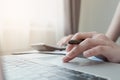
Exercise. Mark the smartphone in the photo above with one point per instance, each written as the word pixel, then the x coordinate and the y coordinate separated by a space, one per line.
pixel 47 47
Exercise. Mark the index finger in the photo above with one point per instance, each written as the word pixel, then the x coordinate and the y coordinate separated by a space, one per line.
pixel 85 45
pixel 79 36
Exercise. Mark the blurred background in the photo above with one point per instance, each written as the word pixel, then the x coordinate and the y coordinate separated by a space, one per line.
pixel 25 22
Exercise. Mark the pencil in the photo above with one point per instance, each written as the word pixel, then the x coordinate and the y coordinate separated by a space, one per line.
pixel 75 41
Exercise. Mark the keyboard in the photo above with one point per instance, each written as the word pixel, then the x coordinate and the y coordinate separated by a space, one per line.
pixel 21 69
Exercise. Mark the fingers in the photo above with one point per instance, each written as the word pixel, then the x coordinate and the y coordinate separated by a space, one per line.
pixel 79 36
pixel 64 40
pixel 101 52
pixel 83 46
pixel 84 35
pixel 69 47
pixel 74 51
pixel 101 36
pixel 112 54
pixel 98 50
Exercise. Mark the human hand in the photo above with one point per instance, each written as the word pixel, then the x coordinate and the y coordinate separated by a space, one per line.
pixel 64 40
pixel 93 45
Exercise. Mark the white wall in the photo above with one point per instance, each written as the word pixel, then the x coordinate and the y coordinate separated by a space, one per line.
pixel 96 15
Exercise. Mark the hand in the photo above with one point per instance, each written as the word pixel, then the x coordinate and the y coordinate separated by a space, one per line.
pixel 93 45
pixel 64 40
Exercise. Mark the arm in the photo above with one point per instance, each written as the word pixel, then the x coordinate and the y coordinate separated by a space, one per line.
pixel 114 30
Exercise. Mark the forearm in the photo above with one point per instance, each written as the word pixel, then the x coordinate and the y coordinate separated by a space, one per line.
pixel 114 29
pixel 113 32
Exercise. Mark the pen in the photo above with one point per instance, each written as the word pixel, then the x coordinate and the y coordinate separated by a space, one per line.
pixel 75 41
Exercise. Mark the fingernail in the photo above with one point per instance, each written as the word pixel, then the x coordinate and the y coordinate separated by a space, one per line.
pixel 66 59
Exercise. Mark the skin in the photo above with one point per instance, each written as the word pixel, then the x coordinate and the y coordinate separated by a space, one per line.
pixel 114 29
pixel 64 40
pixel 96 43
pixel 93 45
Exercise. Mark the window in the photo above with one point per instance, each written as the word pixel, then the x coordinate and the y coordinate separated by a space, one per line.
pixel 24 22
